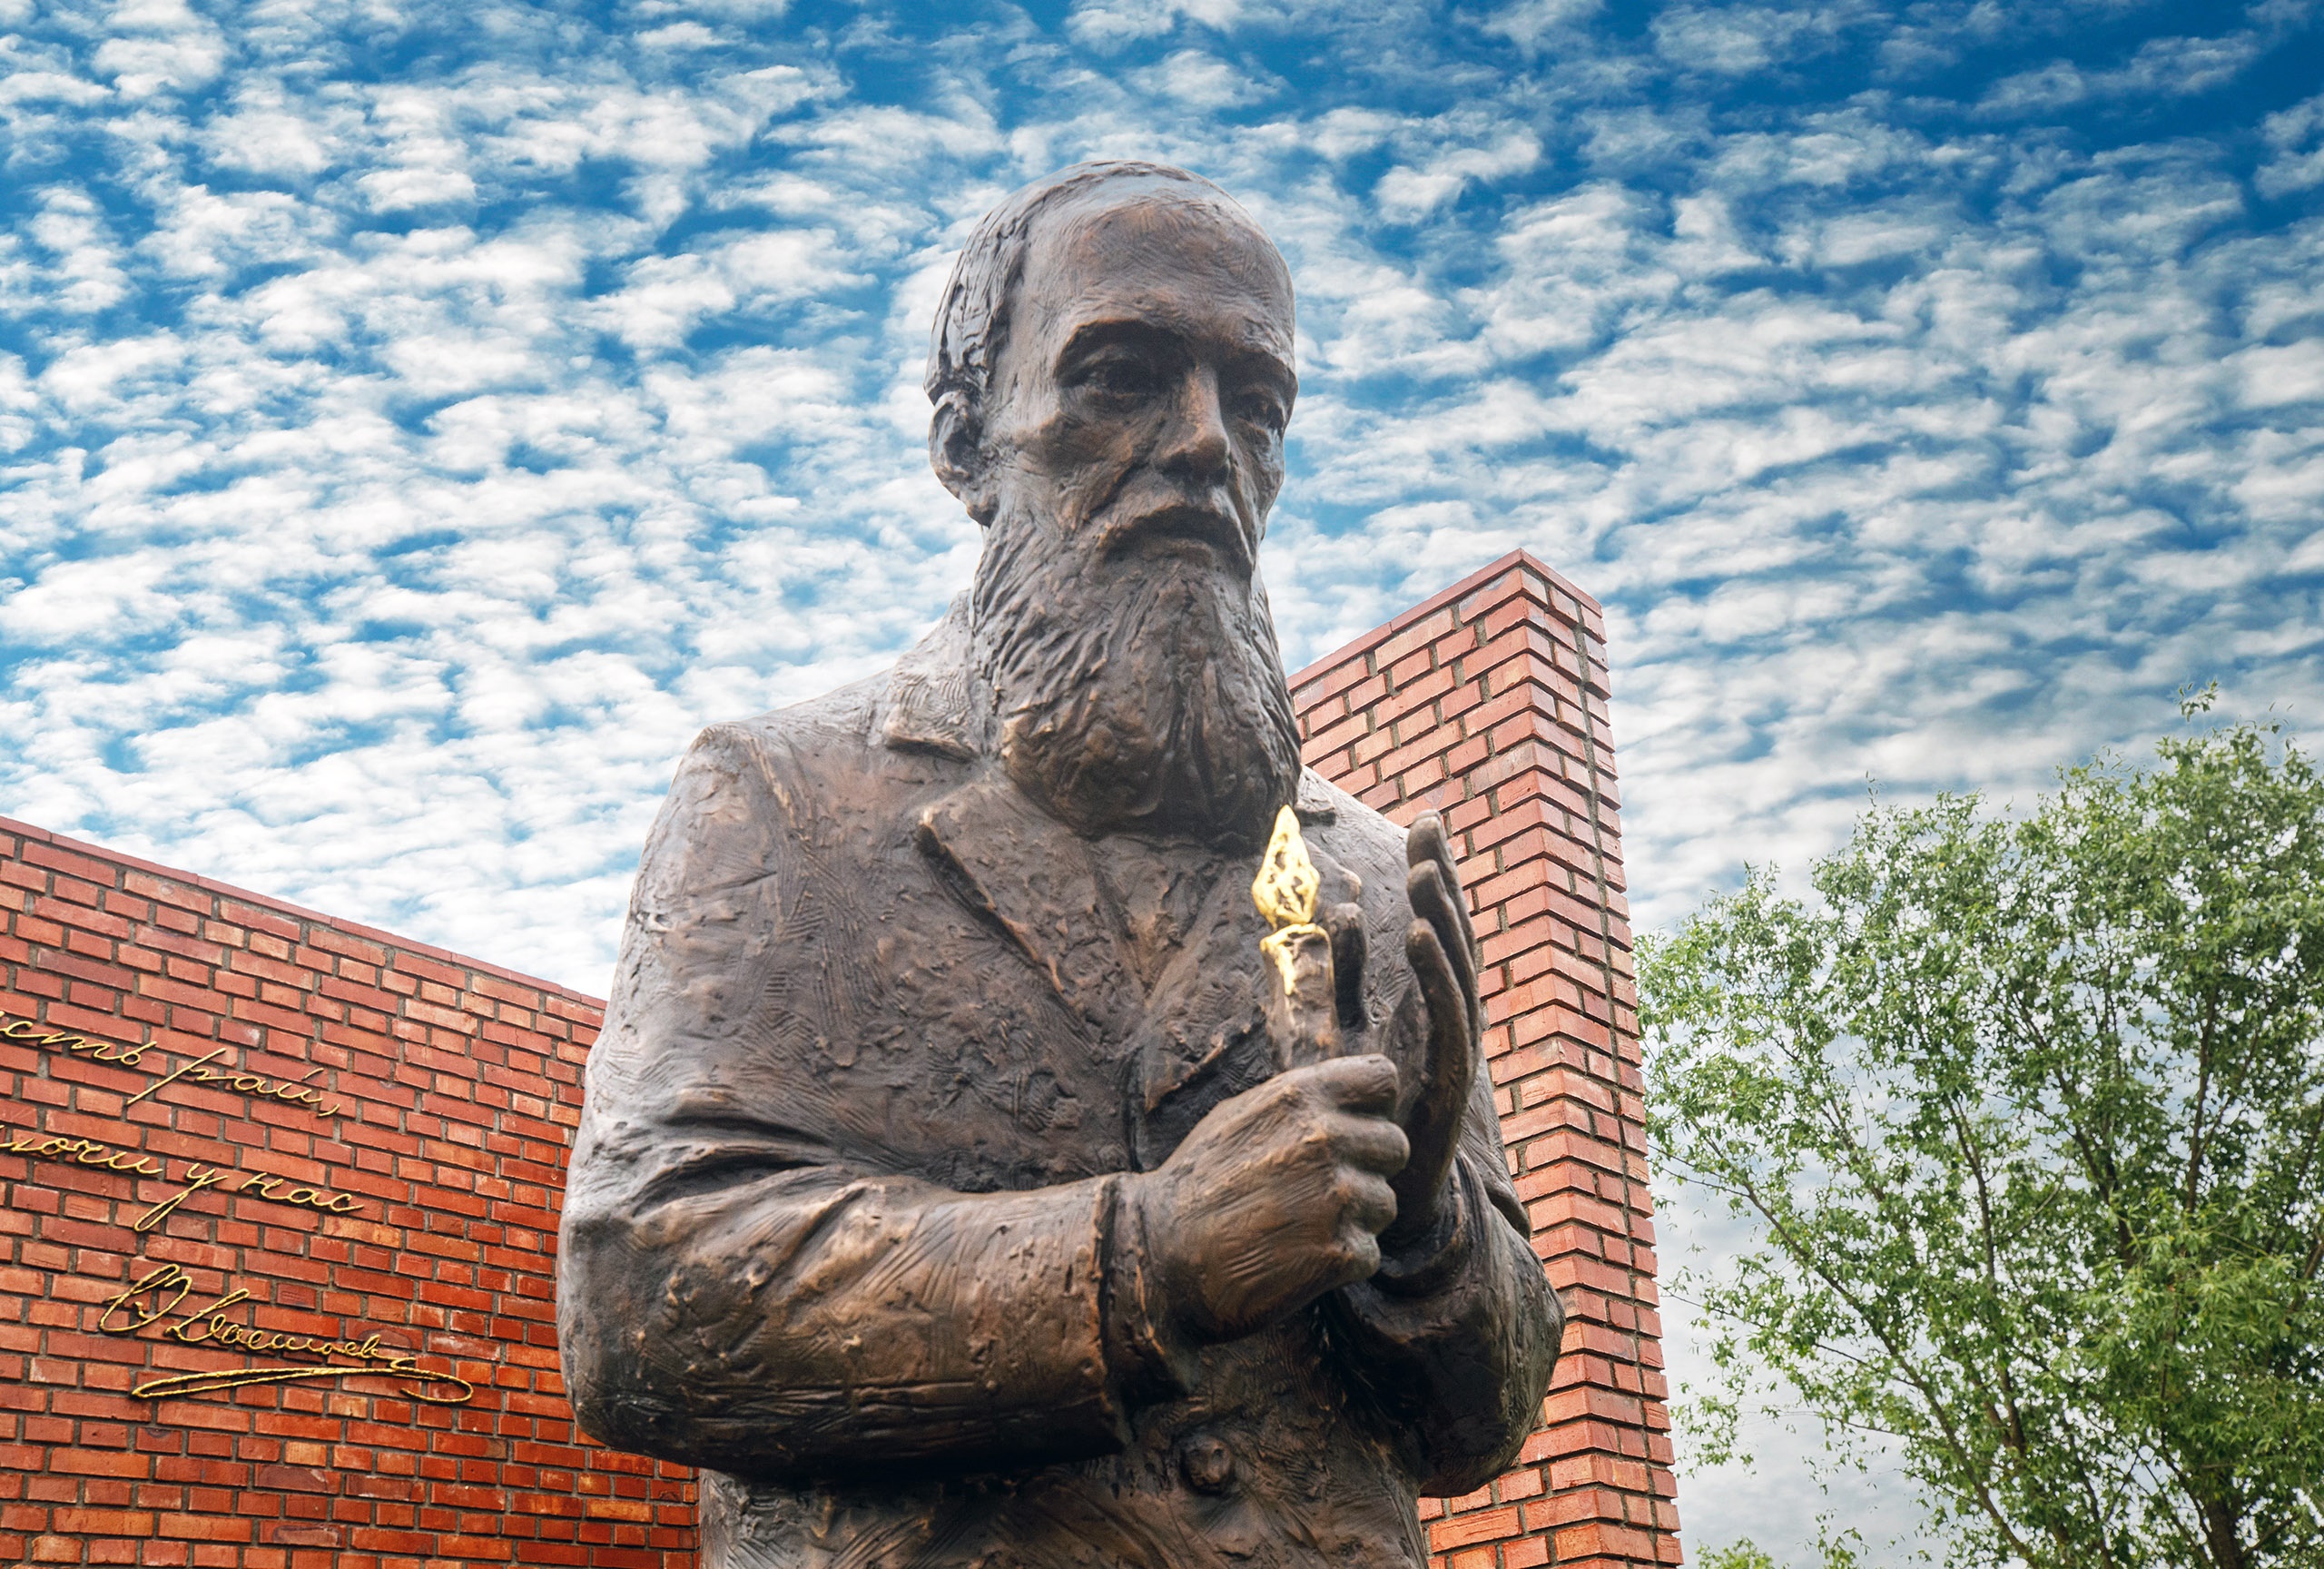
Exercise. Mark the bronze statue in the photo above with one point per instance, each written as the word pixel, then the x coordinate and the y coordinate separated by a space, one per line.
pixel 960 1182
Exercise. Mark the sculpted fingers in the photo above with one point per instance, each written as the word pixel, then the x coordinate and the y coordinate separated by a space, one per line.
pixel 1433 1121
pixel 1438 904
pixel 1451 1042
pixel 1428 843
pixel 1370 1204
pixel 1276 1197
pixel 1373 1144
pixel 1366 1207
pixel 1365 1085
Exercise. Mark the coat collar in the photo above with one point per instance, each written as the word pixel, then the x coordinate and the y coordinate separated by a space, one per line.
pixel 1031 879
pixel 934 701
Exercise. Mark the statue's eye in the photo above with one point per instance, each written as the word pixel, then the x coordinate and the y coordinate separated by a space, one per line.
pixel 1121 376
pixel 1263 409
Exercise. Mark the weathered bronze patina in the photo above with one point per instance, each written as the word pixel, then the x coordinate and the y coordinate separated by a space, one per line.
pixel 960 1182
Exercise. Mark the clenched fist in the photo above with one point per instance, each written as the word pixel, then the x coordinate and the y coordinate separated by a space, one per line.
pixel 1276 1197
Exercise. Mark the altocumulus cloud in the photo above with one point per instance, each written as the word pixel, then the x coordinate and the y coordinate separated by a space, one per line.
pixel 418 418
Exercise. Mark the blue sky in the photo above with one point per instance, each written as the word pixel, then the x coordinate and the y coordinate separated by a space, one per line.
pixel 416 420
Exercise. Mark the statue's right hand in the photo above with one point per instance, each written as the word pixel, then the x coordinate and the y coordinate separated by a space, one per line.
pixel 1276 1197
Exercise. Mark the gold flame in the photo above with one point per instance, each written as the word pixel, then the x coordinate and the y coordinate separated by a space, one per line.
pixel 1285 891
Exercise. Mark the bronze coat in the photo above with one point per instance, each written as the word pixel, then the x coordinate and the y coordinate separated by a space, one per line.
pixel 841 1221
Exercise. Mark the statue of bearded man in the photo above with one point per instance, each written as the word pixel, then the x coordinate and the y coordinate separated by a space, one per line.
pixel 953 1186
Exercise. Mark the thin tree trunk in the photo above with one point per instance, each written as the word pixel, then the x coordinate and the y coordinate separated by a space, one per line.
pixel 2223 1533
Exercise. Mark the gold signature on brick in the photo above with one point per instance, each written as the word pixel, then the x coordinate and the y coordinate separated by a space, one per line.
pixel 167 1288
pixel 158 1301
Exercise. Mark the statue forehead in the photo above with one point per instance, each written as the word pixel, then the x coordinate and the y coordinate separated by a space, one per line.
pixel 1152 248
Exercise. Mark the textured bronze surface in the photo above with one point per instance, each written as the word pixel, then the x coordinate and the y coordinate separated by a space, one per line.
pixel 960 1182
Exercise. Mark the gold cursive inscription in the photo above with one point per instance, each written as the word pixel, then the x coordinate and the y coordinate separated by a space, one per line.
pixel 201 1070
pixel 80 1151
pixel 197 1177
pixel 158 1302
pixel 165 1291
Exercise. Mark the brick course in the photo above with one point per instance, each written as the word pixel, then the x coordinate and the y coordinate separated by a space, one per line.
pixel 460 1083
pixel 1487 704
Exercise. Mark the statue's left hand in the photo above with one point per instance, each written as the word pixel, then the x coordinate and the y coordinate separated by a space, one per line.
pixel 1446 1012
pixel 1437 1030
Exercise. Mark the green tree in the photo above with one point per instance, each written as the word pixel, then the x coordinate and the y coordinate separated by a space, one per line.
pixel 1744 1553
pixel 2027 1113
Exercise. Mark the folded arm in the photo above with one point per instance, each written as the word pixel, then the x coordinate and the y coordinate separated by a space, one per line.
pixel 808 1320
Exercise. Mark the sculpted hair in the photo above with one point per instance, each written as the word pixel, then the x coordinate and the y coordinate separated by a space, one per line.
pixel 972 317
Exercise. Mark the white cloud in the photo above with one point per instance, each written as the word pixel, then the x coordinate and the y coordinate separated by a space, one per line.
pixel 1736 40
pixel 160 47
pixel 2168 66
pixel 1412 191
pixel 1110 24
pixel 1531 24
pixel 2297 136
pixel 1203 81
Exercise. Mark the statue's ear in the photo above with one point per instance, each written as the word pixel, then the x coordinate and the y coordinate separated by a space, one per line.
pixel 956 451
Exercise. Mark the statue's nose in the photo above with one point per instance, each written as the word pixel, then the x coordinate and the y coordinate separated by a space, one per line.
pixel 1196 444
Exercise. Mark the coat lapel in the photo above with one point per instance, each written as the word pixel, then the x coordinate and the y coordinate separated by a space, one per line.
pixel 1204 1036
pixel 1029 878
pixel 1196 1037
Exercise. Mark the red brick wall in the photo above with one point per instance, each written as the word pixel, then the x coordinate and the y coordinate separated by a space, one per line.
pixel 459 1082
pixel 1488 704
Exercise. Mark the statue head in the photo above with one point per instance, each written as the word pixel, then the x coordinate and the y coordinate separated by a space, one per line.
pixel 1115 347
pixel 1112 372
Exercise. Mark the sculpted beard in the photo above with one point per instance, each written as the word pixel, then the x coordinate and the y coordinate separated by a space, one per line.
pixel 1146 694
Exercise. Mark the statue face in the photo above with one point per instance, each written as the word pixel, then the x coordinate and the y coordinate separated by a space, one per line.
pixel 1138 403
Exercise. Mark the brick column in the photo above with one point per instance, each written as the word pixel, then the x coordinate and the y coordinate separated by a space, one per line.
pixel 1488 704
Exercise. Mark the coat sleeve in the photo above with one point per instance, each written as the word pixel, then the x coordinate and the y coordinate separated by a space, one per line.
pixel 1458 1347
pixel 732 1292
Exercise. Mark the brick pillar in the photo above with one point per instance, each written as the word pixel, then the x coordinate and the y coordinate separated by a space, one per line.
pixel 1488 703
